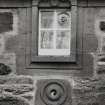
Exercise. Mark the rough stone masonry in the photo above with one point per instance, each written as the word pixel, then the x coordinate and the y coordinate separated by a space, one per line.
pixel 20 90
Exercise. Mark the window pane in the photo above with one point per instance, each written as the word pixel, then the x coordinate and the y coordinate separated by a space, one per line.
pixel 63 19
pixel 54 32
pixel 63 40
pixel 47 19
pixel 46 40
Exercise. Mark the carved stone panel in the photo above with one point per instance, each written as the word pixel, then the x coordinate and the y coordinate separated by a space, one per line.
pixel 53 92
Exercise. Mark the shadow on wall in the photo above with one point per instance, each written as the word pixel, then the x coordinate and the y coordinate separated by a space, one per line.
pixel 4 69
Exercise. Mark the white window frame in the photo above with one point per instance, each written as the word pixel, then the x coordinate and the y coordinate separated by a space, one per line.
pixel 54 51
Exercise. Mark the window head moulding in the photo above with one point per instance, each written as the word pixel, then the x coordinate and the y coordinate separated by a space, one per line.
pixel 54 3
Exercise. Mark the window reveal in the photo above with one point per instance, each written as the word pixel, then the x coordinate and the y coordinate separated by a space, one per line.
pixel 54 32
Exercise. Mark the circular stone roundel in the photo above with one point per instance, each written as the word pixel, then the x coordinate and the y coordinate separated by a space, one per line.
pixel 54 92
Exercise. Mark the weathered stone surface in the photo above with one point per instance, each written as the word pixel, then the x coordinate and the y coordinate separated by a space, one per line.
pixel 16 80
pixel 8 28
pixel 101 70
pixel 12 100
pixel 28 96
pixel 4 69
pixel 17 89
pixel 9 59
pixel 2 44
pixel 88 91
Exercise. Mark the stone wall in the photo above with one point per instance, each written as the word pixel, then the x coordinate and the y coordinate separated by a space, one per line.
pixel 17 90
pixel 22 90
pixel 87 84
pixel 89 91
pixel 8 29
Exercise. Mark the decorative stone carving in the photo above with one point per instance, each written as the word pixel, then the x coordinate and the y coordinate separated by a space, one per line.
pixel 63 18
pixel 53 92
